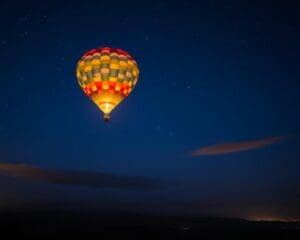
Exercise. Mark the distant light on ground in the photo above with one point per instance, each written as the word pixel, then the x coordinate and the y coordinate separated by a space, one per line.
pixel 271 219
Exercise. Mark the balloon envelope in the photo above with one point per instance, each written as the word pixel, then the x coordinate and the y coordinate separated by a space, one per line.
pixel 107 76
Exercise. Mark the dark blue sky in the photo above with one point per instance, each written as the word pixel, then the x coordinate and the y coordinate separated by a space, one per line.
pixel 210 73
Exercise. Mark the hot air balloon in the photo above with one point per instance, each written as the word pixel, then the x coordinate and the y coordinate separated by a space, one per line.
pixel 107 76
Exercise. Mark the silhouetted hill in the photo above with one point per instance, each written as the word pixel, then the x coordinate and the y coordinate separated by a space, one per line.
pixel 71 224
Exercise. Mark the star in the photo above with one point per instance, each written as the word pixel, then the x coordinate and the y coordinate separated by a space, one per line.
pixel 171 133
pixel 158 128
pixel 23 34
pixel 243 42
pixel 25 18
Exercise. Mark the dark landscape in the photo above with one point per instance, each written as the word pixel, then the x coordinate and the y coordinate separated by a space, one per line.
pixel 52 224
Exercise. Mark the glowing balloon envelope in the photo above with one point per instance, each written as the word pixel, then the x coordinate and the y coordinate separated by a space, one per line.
pixel 107 76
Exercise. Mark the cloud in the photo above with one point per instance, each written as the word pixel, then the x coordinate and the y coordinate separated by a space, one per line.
pixel 83 178
pixel 237 146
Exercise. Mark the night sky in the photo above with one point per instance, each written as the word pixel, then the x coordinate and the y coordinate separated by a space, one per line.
pixel 212 127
